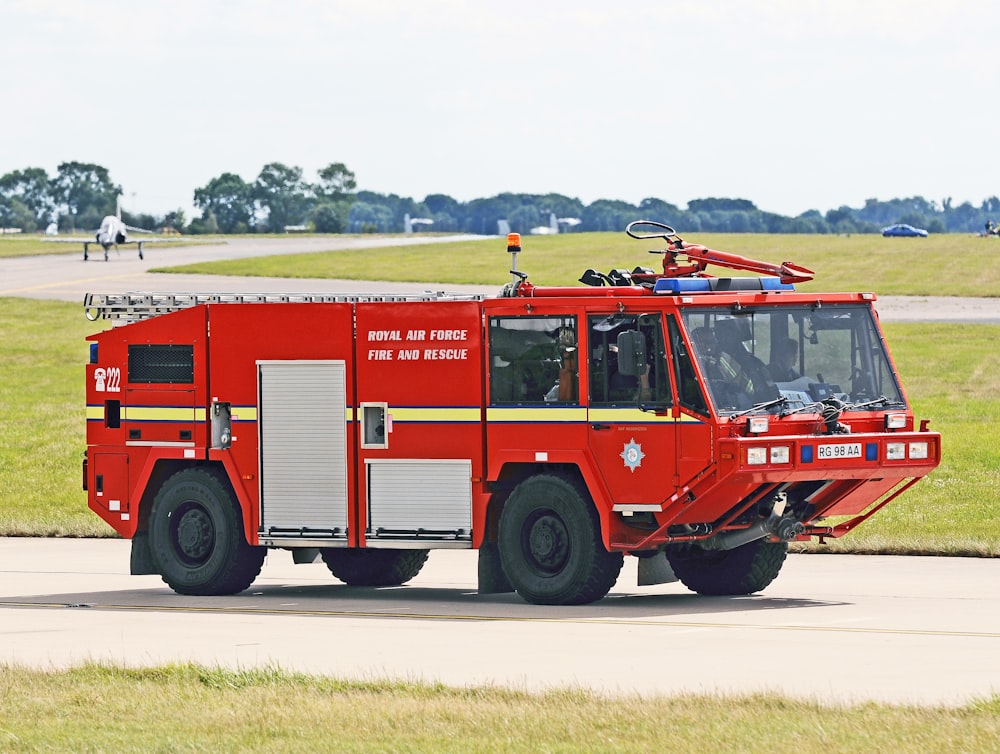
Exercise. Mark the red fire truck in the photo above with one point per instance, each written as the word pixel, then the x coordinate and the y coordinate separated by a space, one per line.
pixel 697 423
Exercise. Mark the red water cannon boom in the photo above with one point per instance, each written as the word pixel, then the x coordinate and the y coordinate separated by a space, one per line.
pixel 694 258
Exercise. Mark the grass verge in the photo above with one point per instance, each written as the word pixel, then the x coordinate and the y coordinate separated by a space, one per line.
pixel 102 708
pixel 891 266
pixel 43 421
pixel 951 373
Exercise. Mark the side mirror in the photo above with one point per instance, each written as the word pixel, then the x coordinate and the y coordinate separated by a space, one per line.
pixel 631 353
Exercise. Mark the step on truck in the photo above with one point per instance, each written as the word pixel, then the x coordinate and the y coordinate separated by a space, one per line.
pixel 697 423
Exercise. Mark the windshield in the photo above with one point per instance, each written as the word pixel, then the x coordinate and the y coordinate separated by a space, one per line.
pixel 801 354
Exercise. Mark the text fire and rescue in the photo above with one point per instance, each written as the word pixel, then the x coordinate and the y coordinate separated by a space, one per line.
pixel 415 354
pixel 699 424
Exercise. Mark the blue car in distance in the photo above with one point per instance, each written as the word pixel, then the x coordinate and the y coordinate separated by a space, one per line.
pixel 902 229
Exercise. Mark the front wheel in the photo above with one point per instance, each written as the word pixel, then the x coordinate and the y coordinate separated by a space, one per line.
pixel 742 570
pixel 196 536
pixel 550 544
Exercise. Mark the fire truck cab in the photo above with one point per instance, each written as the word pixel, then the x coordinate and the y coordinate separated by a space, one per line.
pixel 697 423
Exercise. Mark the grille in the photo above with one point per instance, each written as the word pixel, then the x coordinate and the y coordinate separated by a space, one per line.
pixel 165 364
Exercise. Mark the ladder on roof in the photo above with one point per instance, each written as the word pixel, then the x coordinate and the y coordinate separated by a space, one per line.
pixel 124 308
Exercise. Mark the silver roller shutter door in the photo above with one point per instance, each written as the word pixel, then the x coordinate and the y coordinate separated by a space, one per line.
pixel 303 446
pixel 410 495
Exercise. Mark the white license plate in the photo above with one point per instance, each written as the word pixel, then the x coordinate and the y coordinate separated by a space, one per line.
pixel 840 450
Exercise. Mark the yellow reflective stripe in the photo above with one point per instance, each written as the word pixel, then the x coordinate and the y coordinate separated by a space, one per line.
pixel 632 415
pixel 162 414
pixel 555 414
pixel 538 414
pixel 243 413
pixel 687 419
pixel 436 414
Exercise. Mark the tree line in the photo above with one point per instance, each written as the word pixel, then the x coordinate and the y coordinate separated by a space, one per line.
pixel 80 194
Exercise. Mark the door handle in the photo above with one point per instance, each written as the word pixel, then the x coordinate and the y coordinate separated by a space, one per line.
pixel 600 426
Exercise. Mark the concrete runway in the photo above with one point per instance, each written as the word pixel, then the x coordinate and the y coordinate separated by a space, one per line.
pixel 831 628
pixel 838 628
pixel 68 277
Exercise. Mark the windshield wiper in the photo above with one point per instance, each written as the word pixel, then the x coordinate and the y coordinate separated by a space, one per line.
pixel 880 401
pixel 758 407
pixel 816 406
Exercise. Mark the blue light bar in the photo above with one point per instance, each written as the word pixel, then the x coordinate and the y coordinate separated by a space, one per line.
pixel 705 285
pixel 681 285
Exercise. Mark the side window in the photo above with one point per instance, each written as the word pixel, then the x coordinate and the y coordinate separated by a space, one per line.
pixel 689 391
pixel 607 383
pixel 533 360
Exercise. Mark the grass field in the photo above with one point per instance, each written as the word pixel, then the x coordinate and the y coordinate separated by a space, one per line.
pixel 192 708
pixel 951 372
pixel 941 265
pixel 42 432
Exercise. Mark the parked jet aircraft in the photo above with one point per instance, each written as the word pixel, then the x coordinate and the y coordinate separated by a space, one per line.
pixel 410 222
pixel 555 224
pixel 113 232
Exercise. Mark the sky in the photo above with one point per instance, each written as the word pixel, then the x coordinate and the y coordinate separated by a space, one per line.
pixel 792 104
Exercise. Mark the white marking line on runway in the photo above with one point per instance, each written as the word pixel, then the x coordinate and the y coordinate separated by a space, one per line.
pixel 510 619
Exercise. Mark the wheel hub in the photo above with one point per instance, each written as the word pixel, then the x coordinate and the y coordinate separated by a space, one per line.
pixel 548 542
pixel 195 534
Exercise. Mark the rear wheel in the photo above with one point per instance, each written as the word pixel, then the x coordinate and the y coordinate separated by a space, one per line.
pixel 374 567
pixel 742 570
pixel 196 536
pixel 550 544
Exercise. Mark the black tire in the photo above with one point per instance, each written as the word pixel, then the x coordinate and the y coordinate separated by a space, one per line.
pixel 196 536
pixel 374 567
pixel 550 544
pixel 743 570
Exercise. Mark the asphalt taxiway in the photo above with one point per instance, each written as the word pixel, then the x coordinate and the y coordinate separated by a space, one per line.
pixel 841 628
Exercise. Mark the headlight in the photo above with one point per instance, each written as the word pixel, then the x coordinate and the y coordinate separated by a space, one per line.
pixel 757 424
pixel 895 421
pixel 918 450
pixel 895 451
pixel 761 456
pixel 779 454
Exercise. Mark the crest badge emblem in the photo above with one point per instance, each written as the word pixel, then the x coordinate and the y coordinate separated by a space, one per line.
pixel 632 455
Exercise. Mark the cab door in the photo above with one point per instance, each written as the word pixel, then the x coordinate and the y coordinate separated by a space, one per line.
pixel 630 427
pixel 694 426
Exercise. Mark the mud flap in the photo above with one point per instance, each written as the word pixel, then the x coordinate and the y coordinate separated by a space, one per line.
pixel 655 570
pixel 141 563
pixel 492 579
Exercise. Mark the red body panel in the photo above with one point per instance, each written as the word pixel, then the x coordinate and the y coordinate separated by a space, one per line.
pixel 141 422
pixel 424 361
